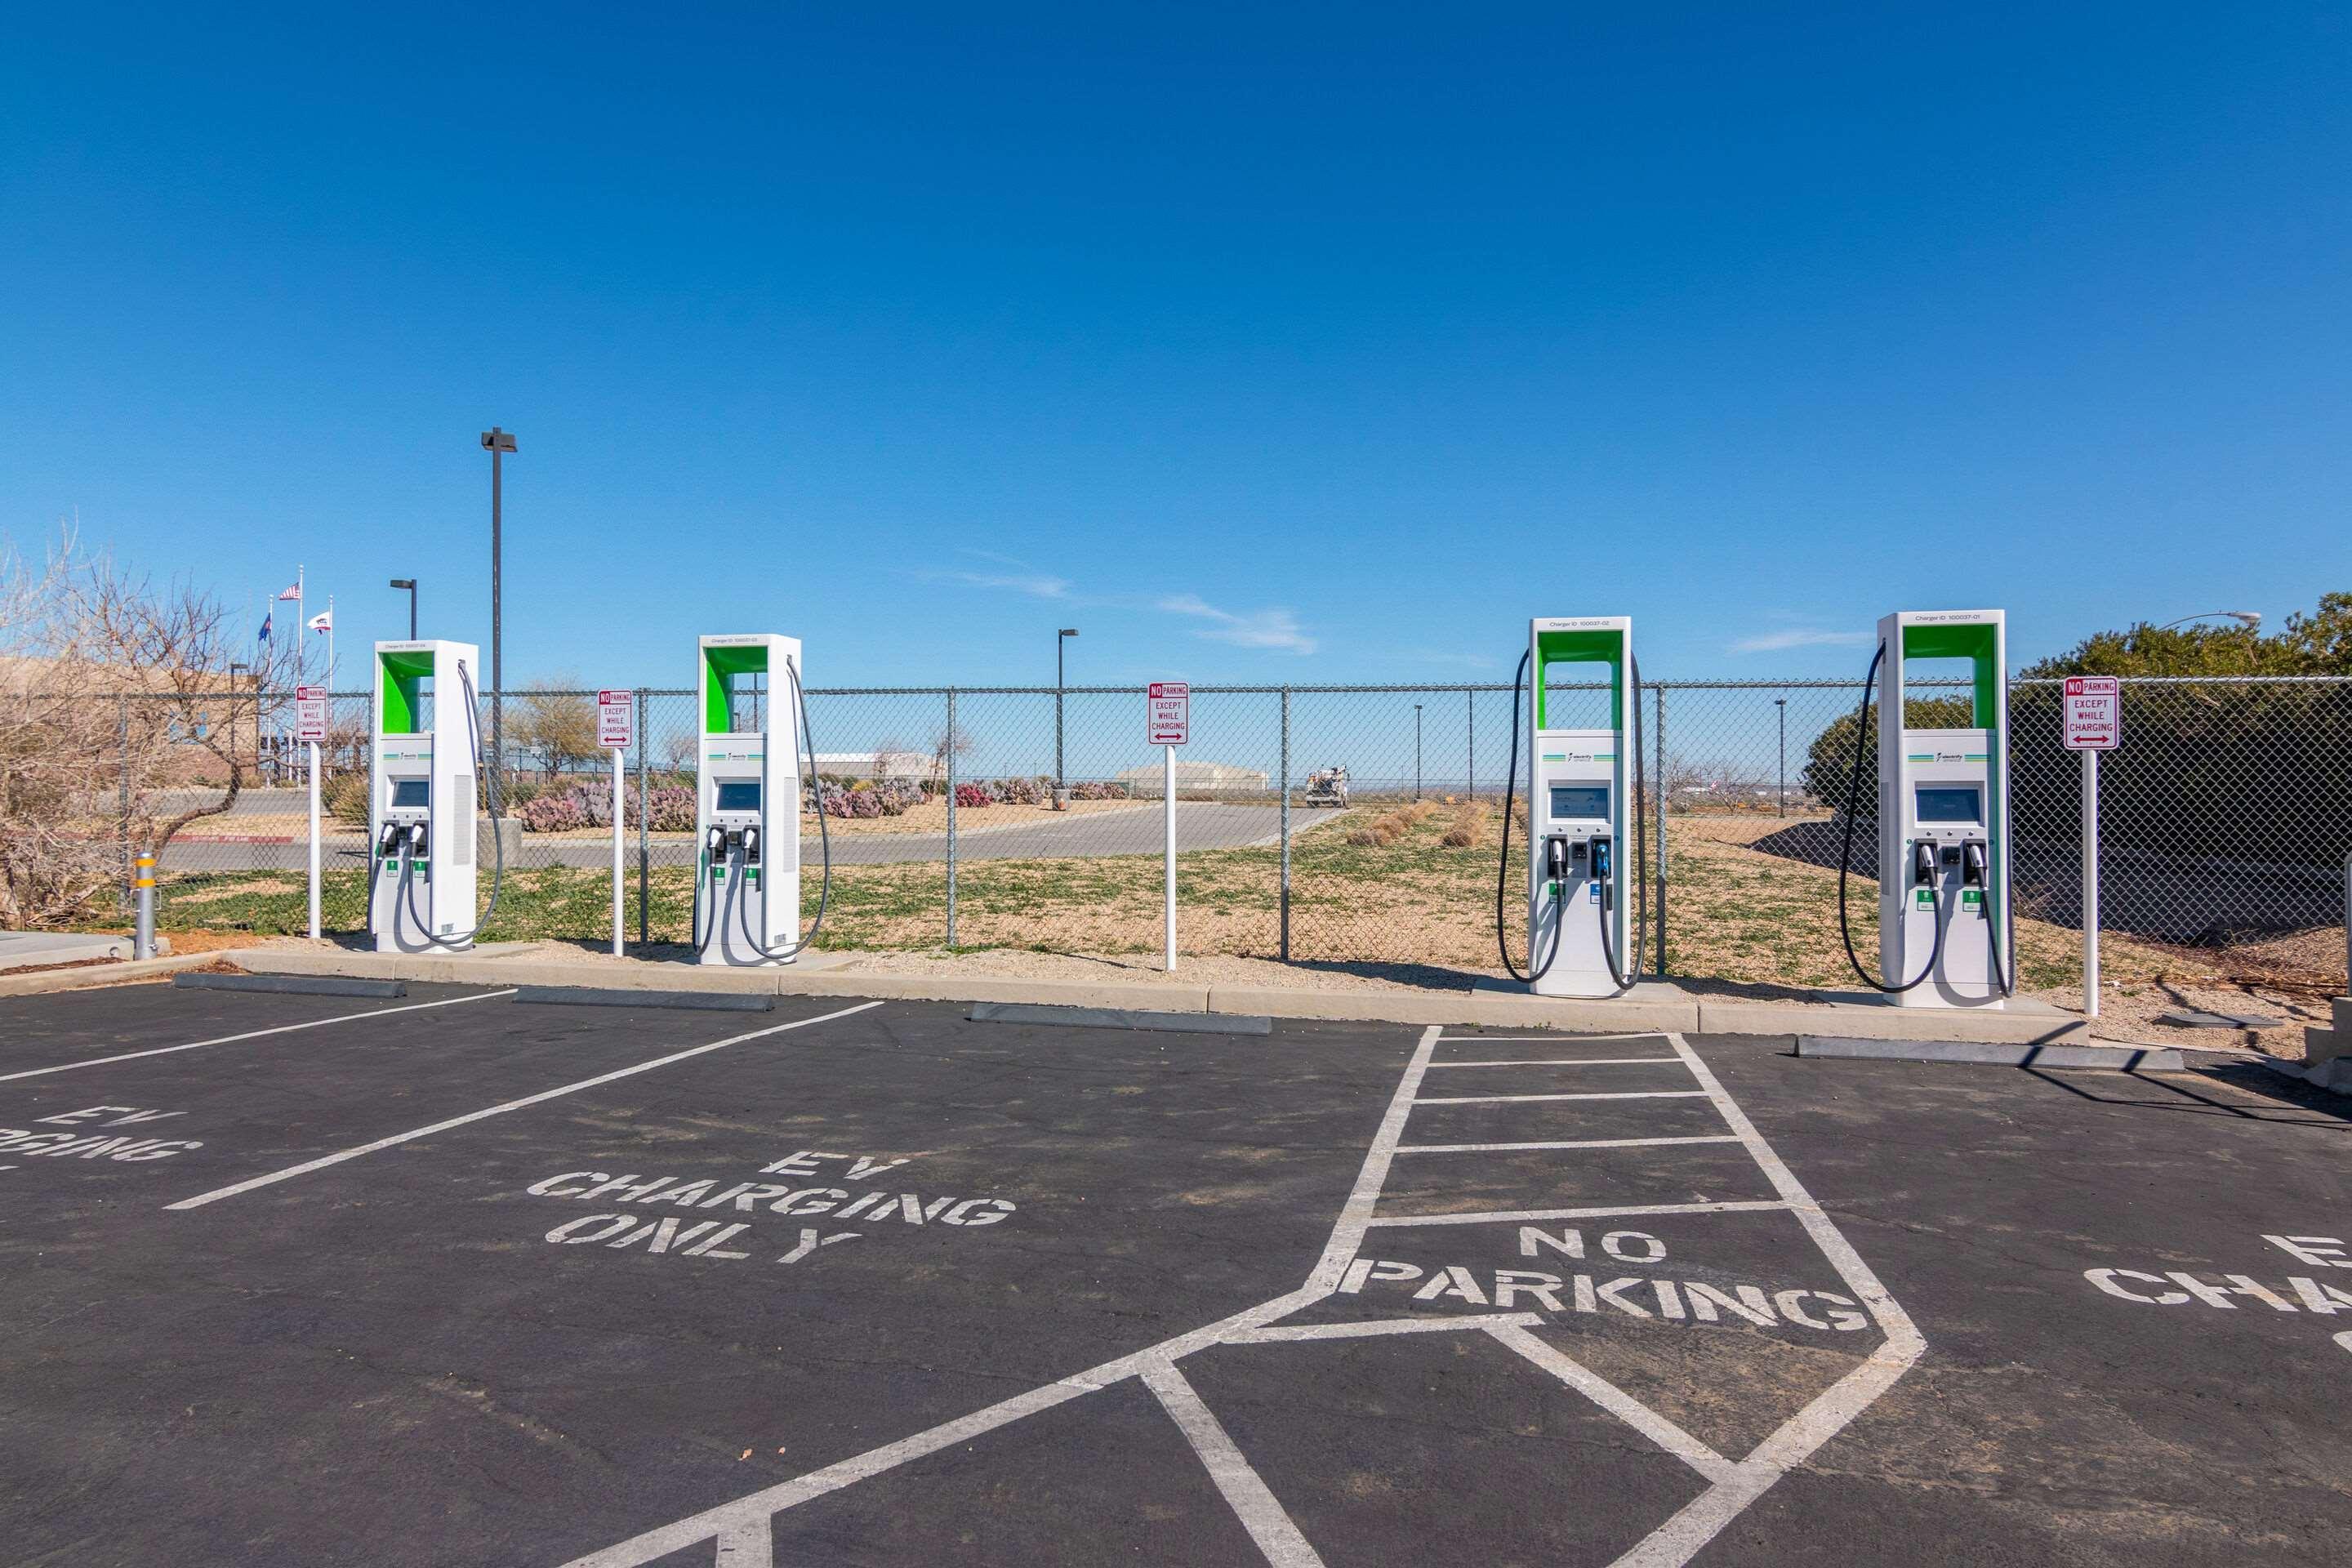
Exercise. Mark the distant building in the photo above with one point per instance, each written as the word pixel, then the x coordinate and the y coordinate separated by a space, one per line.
pixel 874 765
pixel 1194 778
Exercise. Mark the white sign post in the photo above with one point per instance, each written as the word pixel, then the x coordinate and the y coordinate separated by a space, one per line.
pixel 311 727
pixel 1170 722
pixel 2094 723
pixel 616 714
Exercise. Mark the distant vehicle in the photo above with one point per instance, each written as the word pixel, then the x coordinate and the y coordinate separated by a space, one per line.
pixel 1328 786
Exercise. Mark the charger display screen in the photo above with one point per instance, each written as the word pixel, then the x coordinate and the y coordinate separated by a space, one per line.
pixel 739 794
pixel 1962 803
pixel 1579 801
pixel 412 793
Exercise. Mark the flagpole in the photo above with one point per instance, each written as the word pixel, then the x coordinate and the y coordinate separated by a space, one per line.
pixel 331 642
pixel 301 619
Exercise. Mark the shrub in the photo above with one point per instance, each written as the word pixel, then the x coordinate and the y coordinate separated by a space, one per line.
pixel 345 798
pixel 552 813
pixel 973 795
pixel 1098 789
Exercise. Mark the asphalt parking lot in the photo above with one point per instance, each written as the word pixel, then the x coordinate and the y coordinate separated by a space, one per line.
pixel 451 1279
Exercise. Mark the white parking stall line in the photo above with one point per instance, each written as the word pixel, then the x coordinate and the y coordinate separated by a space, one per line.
pixel 1615 1401
pixel 1245 1491
pixel 1356 1215
pixel 1528 1216
pixel 1517 1098
pixel 736 1520
pixel 1364 1329
pixel 1562 1062
pixel 201 1199
pixel 258 1034
pixel 1571 1144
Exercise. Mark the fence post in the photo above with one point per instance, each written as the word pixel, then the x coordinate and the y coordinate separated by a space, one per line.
pixel 1285 825
pixel 122 823
pixel 1662 828
pixel 1470 702
pixel 645 817
pixel 952 816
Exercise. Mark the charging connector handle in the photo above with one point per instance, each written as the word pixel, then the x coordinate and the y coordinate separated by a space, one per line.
pixel 1845 854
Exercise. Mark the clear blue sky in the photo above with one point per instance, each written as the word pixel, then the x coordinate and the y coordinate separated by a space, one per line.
pixel 1309 343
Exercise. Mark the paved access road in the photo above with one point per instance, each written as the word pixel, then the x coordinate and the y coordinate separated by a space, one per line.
pixel 450 1279
pixel 1200 824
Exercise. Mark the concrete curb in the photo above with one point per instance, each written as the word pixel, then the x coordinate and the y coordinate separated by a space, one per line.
pixel 295 984
pixel 1981 1053
pixel 1205 1023
pixel 1655 1007
pixel 109 973
pixel 635 996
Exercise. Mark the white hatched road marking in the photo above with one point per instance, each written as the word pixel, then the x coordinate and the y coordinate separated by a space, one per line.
pixel 1519 1099
pixel 320 1164
pixel 258 1034
pixel 1561 1062
pixel 1245 1492
pixel 1572 1144
pixel 1611 1211
pixel 743 1530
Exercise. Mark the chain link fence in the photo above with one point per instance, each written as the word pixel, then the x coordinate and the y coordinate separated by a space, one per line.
pixel 1352 827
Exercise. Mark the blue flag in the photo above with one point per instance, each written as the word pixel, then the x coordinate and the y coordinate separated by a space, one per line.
pixel 265 626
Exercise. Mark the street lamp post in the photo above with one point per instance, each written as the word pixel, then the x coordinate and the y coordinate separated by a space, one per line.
pixel 409 583
pixel 1783 704
pixel 1061 785
pixel 497 443
pixel 1416 751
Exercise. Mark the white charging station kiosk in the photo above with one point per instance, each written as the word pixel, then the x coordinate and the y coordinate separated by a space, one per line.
pixel 1943 818
pixel 422 791
pixel 748 802
pixel 1580 925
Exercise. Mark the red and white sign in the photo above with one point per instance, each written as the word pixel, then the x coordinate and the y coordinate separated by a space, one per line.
pixel 2094 712
pixel 616 715
pixel 1171 714
pixel 309 714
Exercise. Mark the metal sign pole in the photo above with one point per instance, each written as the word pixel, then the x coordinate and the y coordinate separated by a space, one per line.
pixel 314 839
pixel 618 812
pixel 2090 882
pixel 1167 822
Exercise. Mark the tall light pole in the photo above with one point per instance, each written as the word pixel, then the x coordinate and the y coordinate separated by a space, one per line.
pixel 410 583
pixel 1061 785
pixel 498 442
pixel 2250 619
pixel 1416 751
pixel 1783 704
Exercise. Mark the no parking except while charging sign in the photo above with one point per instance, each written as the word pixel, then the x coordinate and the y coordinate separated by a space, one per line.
pixel 2093 712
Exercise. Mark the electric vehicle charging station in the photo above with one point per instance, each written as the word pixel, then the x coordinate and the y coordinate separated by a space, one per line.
pixel 1943 910
pixel 424 767
pixel 1582 939
pixel 747 903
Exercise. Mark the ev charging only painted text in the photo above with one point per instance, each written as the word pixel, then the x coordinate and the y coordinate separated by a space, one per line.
pixel 804 1190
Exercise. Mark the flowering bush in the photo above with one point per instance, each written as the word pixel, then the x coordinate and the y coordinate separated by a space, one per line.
pixel 1021 792
pixel 590 805
pixel 973 795
pixel 554 813
pixel 889 798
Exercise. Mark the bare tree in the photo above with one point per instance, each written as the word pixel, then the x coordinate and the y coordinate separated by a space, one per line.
pixel 956 742
pixel 554 724
pixel 122 724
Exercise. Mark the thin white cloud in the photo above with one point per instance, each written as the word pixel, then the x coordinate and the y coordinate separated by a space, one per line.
pixel 1019 578
pixel 1799 636
pixel 1274 628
